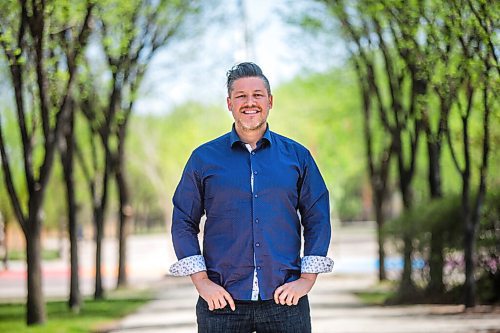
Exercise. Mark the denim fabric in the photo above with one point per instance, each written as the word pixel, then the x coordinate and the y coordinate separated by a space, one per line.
pixel 255 316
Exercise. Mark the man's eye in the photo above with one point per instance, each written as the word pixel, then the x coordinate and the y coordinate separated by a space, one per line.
pixel 240 96
pixel 258 95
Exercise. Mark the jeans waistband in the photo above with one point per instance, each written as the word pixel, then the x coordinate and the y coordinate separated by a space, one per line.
pixel 259 301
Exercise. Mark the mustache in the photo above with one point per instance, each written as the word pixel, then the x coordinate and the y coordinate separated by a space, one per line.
pixel 247 108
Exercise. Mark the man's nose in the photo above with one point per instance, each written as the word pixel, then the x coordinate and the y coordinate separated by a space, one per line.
pixel 250 101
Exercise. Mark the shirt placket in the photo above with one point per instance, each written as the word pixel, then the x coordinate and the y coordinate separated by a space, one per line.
pixel 253 173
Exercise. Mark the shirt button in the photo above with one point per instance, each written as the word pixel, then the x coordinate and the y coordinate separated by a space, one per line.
pixel 257 244
pixel 256 196
pixel 255 172
pixel 259 268
pixel 256 220
pixel 253 153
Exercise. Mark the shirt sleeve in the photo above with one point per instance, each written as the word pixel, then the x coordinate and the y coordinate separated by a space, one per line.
pixel 316 264
pixel 188 266
pixel 188 210
pixel 314 209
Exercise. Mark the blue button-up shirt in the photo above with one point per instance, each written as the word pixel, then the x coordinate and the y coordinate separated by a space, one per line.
pixel 245 229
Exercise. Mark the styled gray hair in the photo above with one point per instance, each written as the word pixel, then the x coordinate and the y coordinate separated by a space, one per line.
pixel 245 69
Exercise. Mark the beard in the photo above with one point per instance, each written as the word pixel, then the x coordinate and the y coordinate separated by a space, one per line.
pixel 252 126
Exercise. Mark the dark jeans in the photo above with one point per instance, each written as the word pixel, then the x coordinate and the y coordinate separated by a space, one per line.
pixel 258 316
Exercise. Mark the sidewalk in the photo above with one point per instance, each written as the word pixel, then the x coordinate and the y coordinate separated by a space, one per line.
pixel 334 308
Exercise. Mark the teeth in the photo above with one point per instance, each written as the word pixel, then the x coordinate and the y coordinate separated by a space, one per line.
pixel 250 112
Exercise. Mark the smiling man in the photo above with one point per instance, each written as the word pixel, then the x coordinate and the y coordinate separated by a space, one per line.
pixel 259 191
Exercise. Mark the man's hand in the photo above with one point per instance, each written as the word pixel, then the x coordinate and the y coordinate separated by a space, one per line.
pixel 291 292
pixel 216 296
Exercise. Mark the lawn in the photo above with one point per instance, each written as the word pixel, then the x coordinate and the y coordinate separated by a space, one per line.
pixel 376 297
pixel 378 294
pixel 93 317
pixel 46 254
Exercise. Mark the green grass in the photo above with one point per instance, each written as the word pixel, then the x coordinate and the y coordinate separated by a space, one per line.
pixel 93 315
pixel 374 297
pixel 46 255
pixel 378 294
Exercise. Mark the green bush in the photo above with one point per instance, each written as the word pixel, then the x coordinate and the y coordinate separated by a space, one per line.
pixel 441 220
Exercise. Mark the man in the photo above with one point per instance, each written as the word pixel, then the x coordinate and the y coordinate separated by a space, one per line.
pixel 257 189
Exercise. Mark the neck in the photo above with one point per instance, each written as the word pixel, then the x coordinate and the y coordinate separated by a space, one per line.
pixel 251 136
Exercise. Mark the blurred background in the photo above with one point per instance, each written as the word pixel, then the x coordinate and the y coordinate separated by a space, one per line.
pixel 102 103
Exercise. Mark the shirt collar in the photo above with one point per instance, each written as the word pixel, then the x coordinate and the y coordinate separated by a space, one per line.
pixel 233 136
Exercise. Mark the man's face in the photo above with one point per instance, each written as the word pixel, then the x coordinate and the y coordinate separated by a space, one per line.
pixel 249 103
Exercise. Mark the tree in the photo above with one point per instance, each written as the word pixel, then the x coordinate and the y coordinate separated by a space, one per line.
pixel 130 34
pixel 473 25
pixel 24 30
pixel 67 147
pixel 408 53
pixel 379 66
pixel 98 172
pixel 378 163
pixel 154 25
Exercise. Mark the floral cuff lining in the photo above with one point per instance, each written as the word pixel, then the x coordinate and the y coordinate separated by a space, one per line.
pixel 316 264
pixel 188 266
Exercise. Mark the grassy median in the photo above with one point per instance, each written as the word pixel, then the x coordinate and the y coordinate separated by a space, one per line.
pixel 94 316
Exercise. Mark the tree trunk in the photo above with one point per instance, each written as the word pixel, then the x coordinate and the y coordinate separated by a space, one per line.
pixel 75 298
pixel 125 213
pixel 125 207
pixel 436 264
pixel 380 217
pixel 436 258
pixel 472 213
pixel 67 159
pixel 35 306
pixel 100 216
pixel 4 244
pixel 378 174
pixel 469 249
pixel 406 278
pixel 99 235
pixel 434 177
pixel 407 286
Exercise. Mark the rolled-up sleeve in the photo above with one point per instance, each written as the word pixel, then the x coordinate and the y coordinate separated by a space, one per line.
pixel 316 264
pixel 188 210
pixel 314 208
pixel 188 266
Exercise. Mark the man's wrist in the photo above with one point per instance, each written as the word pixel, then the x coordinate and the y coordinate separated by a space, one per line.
pixel 199 279
pixel 309 276
pixel 198 276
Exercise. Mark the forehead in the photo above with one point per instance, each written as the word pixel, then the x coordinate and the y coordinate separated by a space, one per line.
pixel 249 84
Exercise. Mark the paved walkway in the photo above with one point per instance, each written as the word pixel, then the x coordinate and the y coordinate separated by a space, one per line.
pixel 334 308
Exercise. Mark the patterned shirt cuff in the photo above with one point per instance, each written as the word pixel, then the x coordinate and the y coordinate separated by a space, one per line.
pixel 316 264
pixel 188 266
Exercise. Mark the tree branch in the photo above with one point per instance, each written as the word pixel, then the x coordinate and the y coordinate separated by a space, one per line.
pixel 14 198
pixel 487 32
pixel 452 149
pixel 51 141
pixel 16 72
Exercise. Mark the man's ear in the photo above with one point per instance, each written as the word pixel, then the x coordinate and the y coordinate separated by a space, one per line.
pixel 229 104
pixel 270 102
